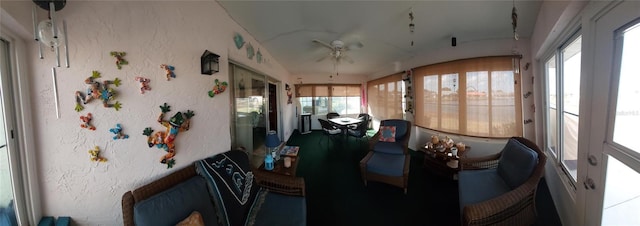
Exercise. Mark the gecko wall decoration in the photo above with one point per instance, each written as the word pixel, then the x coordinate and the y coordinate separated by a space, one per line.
pixel 98 90
pixel 119 59
pixel 165 139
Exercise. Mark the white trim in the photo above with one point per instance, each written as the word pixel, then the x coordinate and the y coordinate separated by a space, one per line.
pixel 25 141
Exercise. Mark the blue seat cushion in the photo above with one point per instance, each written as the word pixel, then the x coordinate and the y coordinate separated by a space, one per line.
pixel 517 162
pixel 175 204
pixel 475 186
pixel 281 210
pixel 386 164
pixel 388 148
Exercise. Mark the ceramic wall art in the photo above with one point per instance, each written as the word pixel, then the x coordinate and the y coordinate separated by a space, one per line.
pixel 250 51
pixel 86 122
pixel 165 139
pixel 118 132
pixel 238 40
pixel 98 90
pixel 144 84
pixel 95 155
pixel 119 59
pixel 218 88
pixel 168 71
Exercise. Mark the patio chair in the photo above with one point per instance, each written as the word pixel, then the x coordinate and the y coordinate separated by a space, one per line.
pixel 359 131
pixel 500 189
pixel 329 130
pixel 331 115
pixel 388 159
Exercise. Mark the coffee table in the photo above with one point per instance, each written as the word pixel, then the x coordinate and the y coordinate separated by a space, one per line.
pixel 443 163
pixel 278 167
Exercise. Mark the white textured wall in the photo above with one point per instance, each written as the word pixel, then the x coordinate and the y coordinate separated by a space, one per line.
pixel 152 33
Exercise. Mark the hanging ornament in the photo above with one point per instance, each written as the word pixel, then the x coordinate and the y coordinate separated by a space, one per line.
pixel 514 20
pixel 412 26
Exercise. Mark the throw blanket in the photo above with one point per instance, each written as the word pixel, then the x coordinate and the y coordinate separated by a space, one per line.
pixel 231 185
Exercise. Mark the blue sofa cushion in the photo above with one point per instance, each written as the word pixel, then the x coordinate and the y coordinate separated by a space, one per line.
pixel 475 186
pixel 386 164
pixel 516 163
pixel 231 185
pixel 175 204
pixel 388 148
pixel 281 210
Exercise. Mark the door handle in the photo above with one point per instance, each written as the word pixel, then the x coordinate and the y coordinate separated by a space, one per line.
pixel 589 184
pixel 593 160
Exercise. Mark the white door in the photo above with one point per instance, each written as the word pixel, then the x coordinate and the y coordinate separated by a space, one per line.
pixel 611 187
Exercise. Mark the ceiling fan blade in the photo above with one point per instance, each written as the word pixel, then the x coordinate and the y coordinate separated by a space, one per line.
pixel 346 58
pixel 322 43
pixel 356 45
pixel 322 58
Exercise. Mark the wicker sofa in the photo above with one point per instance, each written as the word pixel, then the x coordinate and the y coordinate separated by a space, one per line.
pixel 173 198
pixel 500 189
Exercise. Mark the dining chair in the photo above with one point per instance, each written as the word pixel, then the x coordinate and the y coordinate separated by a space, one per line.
pixel 331 115
pixel 329 130
pixel 359 131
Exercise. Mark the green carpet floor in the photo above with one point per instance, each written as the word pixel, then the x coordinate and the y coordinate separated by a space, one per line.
pixel 336 194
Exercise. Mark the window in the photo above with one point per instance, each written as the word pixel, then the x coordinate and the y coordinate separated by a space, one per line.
pixel 322 99
pixel 562 73
pixel 475 97
pixel 386 97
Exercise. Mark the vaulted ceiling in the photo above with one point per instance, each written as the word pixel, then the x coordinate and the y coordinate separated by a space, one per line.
pixel 286 29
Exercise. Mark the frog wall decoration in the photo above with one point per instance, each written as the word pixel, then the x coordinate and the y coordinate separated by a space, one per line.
pixel 166 139
pixel 98 90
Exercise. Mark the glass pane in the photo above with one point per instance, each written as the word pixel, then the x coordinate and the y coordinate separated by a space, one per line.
pixel 478 103
pixel 339 104
pixel 305 104
pixel 353 105
pixel 571 56
pixel 552 113
pixel 627 118
pixel 621 195
pixel 250 126
pixel 321 105
pixel 449 97
pixel 503 104
pixel 430 105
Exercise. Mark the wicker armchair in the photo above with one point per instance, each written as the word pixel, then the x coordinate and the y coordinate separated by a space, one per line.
pixel 515 205
pixel 388 162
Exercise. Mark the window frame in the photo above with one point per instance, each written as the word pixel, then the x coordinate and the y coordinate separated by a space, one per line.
pixel 558 155
pixel 24 168
pixel 329 97
pixel 461 70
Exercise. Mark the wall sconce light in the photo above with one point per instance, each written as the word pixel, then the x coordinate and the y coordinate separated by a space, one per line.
pixel 209 63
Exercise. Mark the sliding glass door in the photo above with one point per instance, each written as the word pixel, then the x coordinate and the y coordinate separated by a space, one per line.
pixel 254 112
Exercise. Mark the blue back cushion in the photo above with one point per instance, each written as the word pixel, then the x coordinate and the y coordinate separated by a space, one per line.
pixel 516 164
pixel 401 126
pixel 175 204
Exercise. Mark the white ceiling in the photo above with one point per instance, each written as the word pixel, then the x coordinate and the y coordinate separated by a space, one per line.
pixel 286 29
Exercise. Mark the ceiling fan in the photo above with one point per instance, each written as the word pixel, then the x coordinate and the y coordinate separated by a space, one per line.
pixel 338 50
